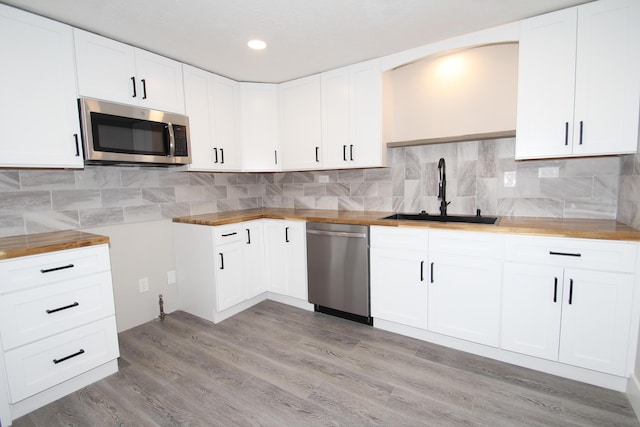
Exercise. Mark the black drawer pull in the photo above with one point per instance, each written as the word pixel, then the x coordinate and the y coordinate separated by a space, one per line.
pixel 144 88
pixel 286 234
pixel 221 261
pixel 75 304
pixel 133 83
pixel 56 361
pixel 215 152
pixel 422 271
pixel 75 136
pixel 432 272
pixel 222 156
pixel 248 236
pixel 229 234
pixel 565 254
pixel 566 133
pixel 49 270
pixel 570 291
pixel 555 289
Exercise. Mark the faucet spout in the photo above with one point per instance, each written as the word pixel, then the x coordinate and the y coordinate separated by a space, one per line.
pixel 442 187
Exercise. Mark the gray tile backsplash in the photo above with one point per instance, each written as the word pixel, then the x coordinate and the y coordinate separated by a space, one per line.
pixel 34 201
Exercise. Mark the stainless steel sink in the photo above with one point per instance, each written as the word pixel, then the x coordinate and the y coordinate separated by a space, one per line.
pixel 423 216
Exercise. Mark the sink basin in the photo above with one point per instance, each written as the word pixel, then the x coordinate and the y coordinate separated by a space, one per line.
pixel 444 218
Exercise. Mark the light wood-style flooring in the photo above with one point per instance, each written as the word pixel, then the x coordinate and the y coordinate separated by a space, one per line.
pixel 274 365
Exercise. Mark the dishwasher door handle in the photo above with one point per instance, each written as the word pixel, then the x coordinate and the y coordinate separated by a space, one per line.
pixel 337 233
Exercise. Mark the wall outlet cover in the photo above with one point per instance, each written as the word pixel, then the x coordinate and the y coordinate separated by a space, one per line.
pixel 549 172
pixel 143 285
pixel 510 179
pixel 171 277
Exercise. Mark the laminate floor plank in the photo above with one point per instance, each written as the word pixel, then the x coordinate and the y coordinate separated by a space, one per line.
pixel 275 365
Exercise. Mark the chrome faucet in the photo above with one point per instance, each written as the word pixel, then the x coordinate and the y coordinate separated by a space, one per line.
pixel 442 187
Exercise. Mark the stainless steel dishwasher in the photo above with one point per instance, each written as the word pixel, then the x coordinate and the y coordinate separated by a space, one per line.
pixel 338 269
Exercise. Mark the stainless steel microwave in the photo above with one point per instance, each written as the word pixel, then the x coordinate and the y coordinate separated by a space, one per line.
pixel 118 133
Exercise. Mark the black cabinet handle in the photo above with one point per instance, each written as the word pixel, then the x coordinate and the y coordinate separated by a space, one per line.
pixel 432 272
pixel 422 271
pixel 54 310
pixel 566 133
pixel 221 155
pixel 275 154
pixel 351 152
pixel 581 126
pixel 344 153
pixel 570 291
pixel 317 154
pixel 555 289
pixel 286 234
pixel 248 236
pixel 133 82
pixel 576 254
pixel 56 361
pixel 221 260
pixel 229 234
pixel 215 152
pixel 144 88
pixel 49 270
pixel 75 136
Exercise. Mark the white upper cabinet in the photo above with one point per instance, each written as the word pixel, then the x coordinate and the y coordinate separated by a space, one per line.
pixel 300 129
pixel 579 81
pixel 38 108
pixel 212 104
pixel 259 104
pixel 352 116
pixel 121 73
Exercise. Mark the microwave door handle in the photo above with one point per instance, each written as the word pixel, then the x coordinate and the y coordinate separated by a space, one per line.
pixel 172 141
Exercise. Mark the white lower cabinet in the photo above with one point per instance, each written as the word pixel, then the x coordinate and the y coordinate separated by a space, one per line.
pixel 286 256
pixel 220 270
pixel 57 326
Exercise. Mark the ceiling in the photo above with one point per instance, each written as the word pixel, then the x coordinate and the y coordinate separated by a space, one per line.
pixel 304 37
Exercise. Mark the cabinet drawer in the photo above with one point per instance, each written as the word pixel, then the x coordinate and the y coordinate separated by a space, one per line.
pixel 39 312
pixel 399 237
pixel 27 272
pixel 43 364
pixel 227 234
pixel 486 245
pixel 603 255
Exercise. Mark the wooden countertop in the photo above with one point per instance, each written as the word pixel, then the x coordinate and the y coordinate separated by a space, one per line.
pixel 33 244
pixel 577 228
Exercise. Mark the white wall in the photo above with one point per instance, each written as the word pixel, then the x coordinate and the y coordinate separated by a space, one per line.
pixel 143 249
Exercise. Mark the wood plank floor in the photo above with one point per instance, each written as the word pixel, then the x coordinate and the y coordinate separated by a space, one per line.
pixel 275 365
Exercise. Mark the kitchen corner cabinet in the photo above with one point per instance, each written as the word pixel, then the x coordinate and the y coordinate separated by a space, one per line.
pixel 399 275
pixel 569 300
pixel 300 130
pixel 352 117
pixel 259 106
pixel 57 326
pixel 212 266
pixel 38 107
pixel 117 72
pixel 286 257
pixel 579 81
pixel 213 105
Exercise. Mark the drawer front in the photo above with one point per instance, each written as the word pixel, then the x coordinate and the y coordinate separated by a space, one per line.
pixel 602 255
pixel 46 363
pixel 399 237
pixel 27 272
pixel 486 245
pixel 39 312
pixel 227 234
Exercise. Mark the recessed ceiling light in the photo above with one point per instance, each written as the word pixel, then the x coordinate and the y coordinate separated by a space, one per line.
pixel 256 44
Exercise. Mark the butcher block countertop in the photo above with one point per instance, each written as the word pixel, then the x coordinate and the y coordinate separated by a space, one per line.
pixel 577 228
pixel 33 244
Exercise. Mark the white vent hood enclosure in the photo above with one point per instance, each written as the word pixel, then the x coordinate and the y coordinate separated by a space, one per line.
pixel 454 95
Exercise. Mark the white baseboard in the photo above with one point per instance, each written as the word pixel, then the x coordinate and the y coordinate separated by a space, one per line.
pixel 633 394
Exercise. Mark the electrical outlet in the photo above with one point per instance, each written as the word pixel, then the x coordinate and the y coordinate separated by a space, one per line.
pixel 548 172
pixel 171 277
pixel 323 179
pixel 143 285
pixel 510 179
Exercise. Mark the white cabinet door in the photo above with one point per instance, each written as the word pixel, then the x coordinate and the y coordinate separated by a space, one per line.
pixel 464 297
pixel 286 258
pixel 531 309
pixel 230 283
pixel 254 262
pixel 121 73
pixel 259 104
pixel 399 286
pixel 212 102
pixel 38 107
pixel 300 130
pixel 352 116
pixel 579 81
pixel 595 320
